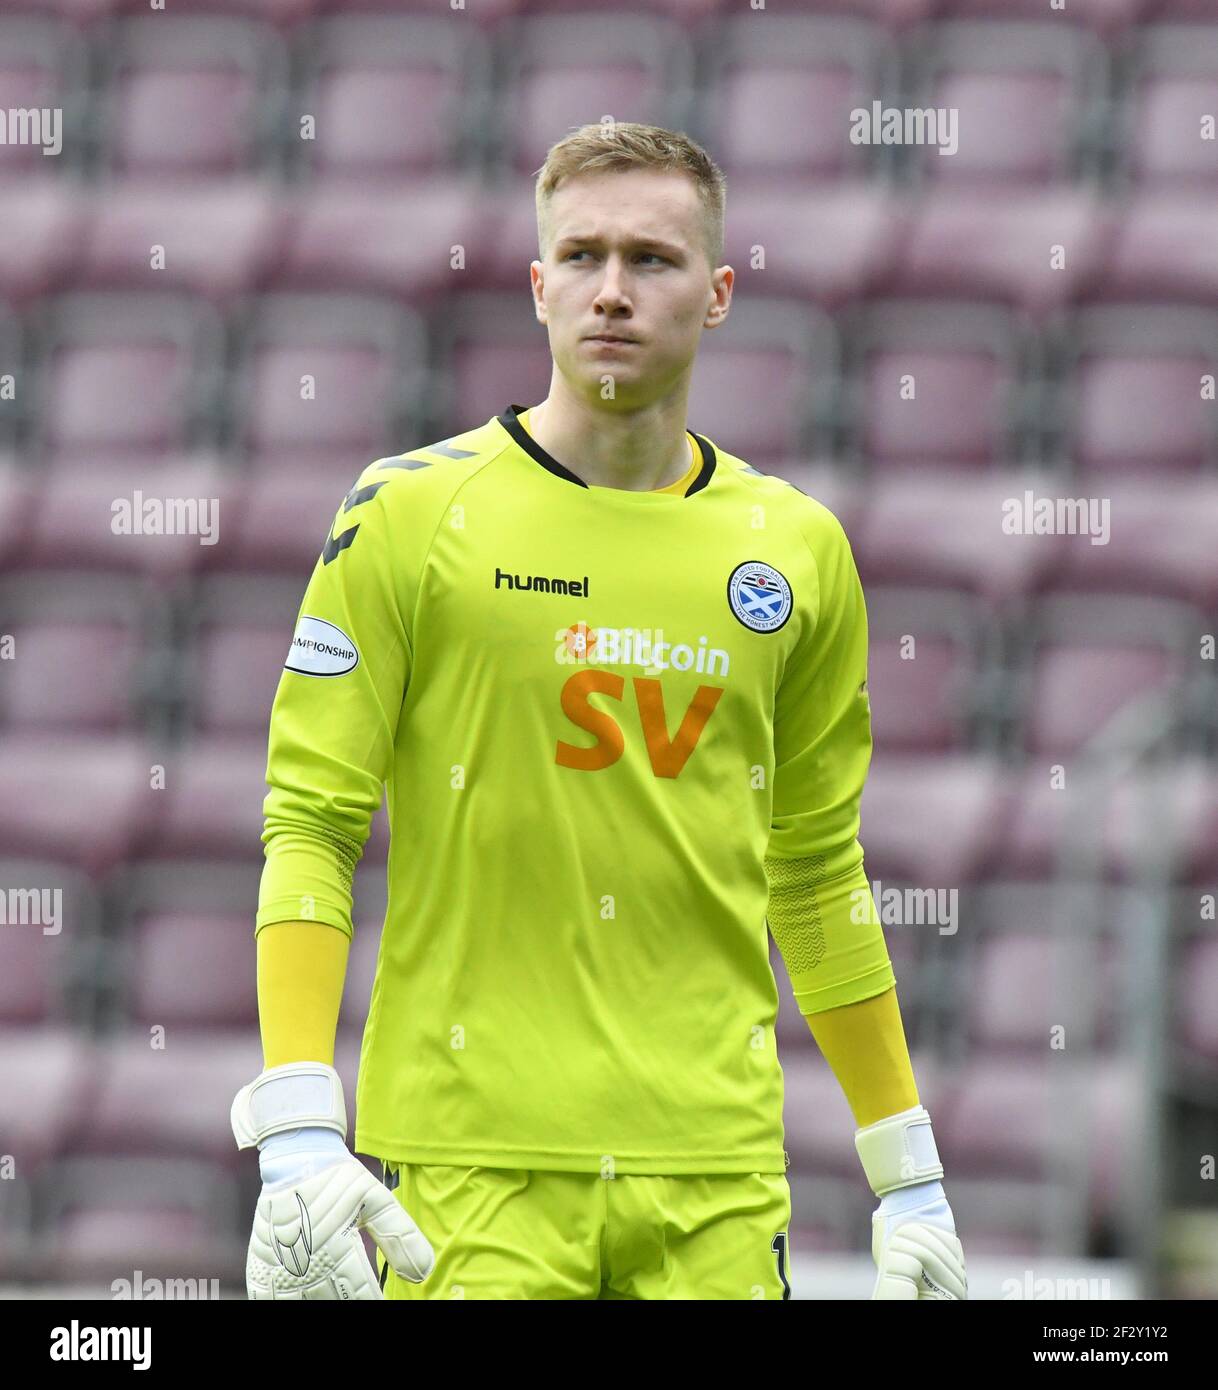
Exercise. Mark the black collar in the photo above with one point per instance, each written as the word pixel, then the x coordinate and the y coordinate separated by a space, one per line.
pixel 534 450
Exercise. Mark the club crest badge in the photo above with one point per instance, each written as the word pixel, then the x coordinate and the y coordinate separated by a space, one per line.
pixel 759 596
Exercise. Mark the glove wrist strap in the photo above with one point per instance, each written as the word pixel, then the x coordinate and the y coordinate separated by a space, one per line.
pixel 898 1151
pixel 288 1097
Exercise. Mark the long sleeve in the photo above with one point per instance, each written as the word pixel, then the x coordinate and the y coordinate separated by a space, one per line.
pixel 334 719
pixel 821 911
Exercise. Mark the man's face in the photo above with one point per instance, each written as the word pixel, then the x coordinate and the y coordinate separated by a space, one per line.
pixel 626 259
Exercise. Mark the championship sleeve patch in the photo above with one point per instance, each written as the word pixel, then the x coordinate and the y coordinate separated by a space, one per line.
pixel 320 648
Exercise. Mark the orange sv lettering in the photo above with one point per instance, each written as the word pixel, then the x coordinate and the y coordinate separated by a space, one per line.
pixel 668 756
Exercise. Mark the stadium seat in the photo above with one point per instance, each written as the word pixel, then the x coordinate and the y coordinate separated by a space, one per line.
pixel 237 646
pixel 778 98
pixel 1099 666
pixel 943 528
pixel 923 668
pixel 42 232
pixel 195 499
pixel 1172 95
pixel 934 383
pixel 212 803
pixel 80 653
pixel 751 391
pixel 1027 98
pixel 46 1077
pixel 1130 397
pixel 1032 248
pixel 934 821
pixel 832 241
pixel 220 237
pixel 200 97
pixel 391 95
pixel 566 70
pixel 326 373
pixel 398 242
pixel 126 372
pixel 78 797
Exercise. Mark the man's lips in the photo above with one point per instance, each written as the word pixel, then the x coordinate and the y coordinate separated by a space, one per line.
pixel 599 338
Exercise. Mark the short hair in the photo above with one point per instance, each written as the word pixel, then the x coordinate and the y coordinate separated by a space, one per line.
pixel 624 145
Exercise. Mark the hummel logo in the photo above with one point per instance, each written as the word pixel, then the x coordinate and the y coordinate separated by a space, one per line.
pixel 540 584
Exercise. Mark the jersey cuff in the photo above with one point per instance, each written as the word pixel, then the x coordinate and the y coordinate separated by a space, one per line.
pixel 817 1000
pixel 291 910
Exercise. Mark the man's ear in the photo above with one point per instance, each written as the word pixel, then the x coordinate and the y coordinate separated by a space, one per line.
pixel 537 282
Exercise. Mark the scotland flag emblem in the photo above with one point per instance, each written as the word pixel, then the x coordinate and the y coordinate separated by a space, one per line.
pixel 759 596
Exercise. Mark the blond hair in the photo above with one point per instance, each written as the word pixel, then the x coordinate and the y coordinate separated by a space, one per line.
pixel 623 145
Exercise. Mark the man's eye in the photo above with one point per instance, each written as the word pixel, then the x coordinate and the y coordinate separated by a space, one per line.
pixel 645 255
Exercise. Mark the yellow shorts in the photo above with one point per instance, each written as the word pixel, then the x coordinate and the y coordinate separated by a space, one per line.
pixel 507 1233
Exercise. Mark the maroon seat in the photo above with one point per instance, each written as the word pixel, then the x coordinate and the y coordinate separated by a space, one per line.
pixel 1100 666
pixel 196 97
pixel 1161 247
pixel 38 945
pixel 169 1102
pixel 778 97
pixel 830 240
pixel 964 365
pixel 81 640
pixel 934 821
pixel 750 392
pixel 220 238
pixel 287 508
pixel 1171 98
pixel 100 1233
pixel 923 697
pixel 1195 984
pixel 362 360
pixel 238 641
pixel 1161 818
pixel 197 500
pixel 46 1078
pixel 42 234
pixel 391 95
pixel 193 970
pixel 1013 998
pixel 568 70
pixel 1133 402
pixel 1164 540
pixel 212 805
pixel 16 502
pixel 495 352
pixel 1021 92
pixel 396 241
pixel 943 528
pixel 76 797
pixel 1075 690
pixel 991 243
pixel 124 372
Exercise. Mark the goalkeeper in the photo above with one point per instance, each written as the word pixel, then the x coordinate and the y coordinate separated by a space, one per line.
pixel 613 682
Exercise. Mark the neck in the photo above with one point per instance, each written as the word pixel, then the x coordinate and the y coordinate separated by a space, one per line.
pixel 637 451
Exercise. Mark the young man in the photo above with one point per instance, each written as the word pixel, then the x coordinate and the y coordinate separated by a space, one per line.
pixel 615 682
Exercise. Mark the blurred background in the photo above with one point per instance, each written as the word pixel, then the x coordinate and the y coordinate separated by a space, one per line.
pixel 253 192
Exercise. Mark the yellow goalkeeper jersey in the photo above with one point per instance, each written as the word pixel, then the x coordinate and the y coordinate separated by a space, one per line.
pixel 595 712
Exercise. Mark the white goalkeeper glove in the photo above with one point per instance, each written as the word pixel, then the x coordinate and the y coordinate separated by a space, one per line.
pixel 316 1195
pixel 913 1233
